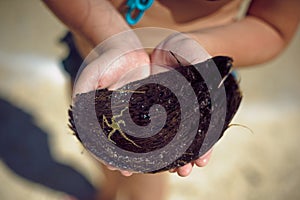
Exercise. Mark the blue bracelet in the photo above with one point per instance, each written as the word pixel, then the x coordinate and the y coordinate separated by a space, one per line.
pixel 139 6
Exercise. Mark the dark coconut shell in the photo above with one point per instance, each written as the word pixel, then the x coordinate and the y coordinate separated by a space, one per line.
pixel 208 127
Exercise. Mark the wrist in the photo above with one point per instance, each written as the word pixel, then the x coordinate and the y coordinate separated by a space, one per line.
pixel 125 40
pixel 205 41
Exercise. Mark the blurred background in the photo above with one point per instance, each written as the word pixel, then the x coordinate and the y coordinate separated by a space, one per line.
pixel 41 159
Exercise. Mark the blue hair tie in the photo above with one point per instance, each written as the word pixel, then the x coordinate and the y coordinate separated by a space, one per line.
pixel 136 5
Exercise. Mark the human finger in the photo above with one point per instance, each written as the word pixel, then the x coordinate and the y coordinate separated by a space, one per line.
pixel 185 170
pixel 203 160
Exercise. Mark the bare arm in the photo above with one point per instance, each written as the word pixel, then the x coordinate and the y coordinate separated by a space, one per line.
pixel 260 36
pixel 95 20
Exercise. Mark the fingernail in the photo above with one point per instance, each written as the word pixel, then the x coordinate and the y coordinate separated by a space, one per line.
pixel 126 173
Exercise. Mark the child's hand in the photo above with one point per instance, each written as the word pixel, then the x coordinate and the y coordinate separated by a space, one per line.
pixel 187 52
pixel 111 65
pixel 108 70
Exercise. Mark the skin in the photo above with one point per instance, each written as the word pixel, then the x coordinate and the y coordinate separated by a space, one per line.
pixel 261 35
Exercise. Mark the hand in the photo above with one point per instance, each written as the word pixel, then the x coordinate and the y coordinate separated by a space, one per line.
pixel 187 52
pixel 113 69
pixel 111 65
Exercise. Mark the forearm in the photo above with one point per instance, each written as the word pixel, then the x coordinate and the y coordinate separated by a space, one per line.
pixel 95 20
pixel 260 36
pixel 248 42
